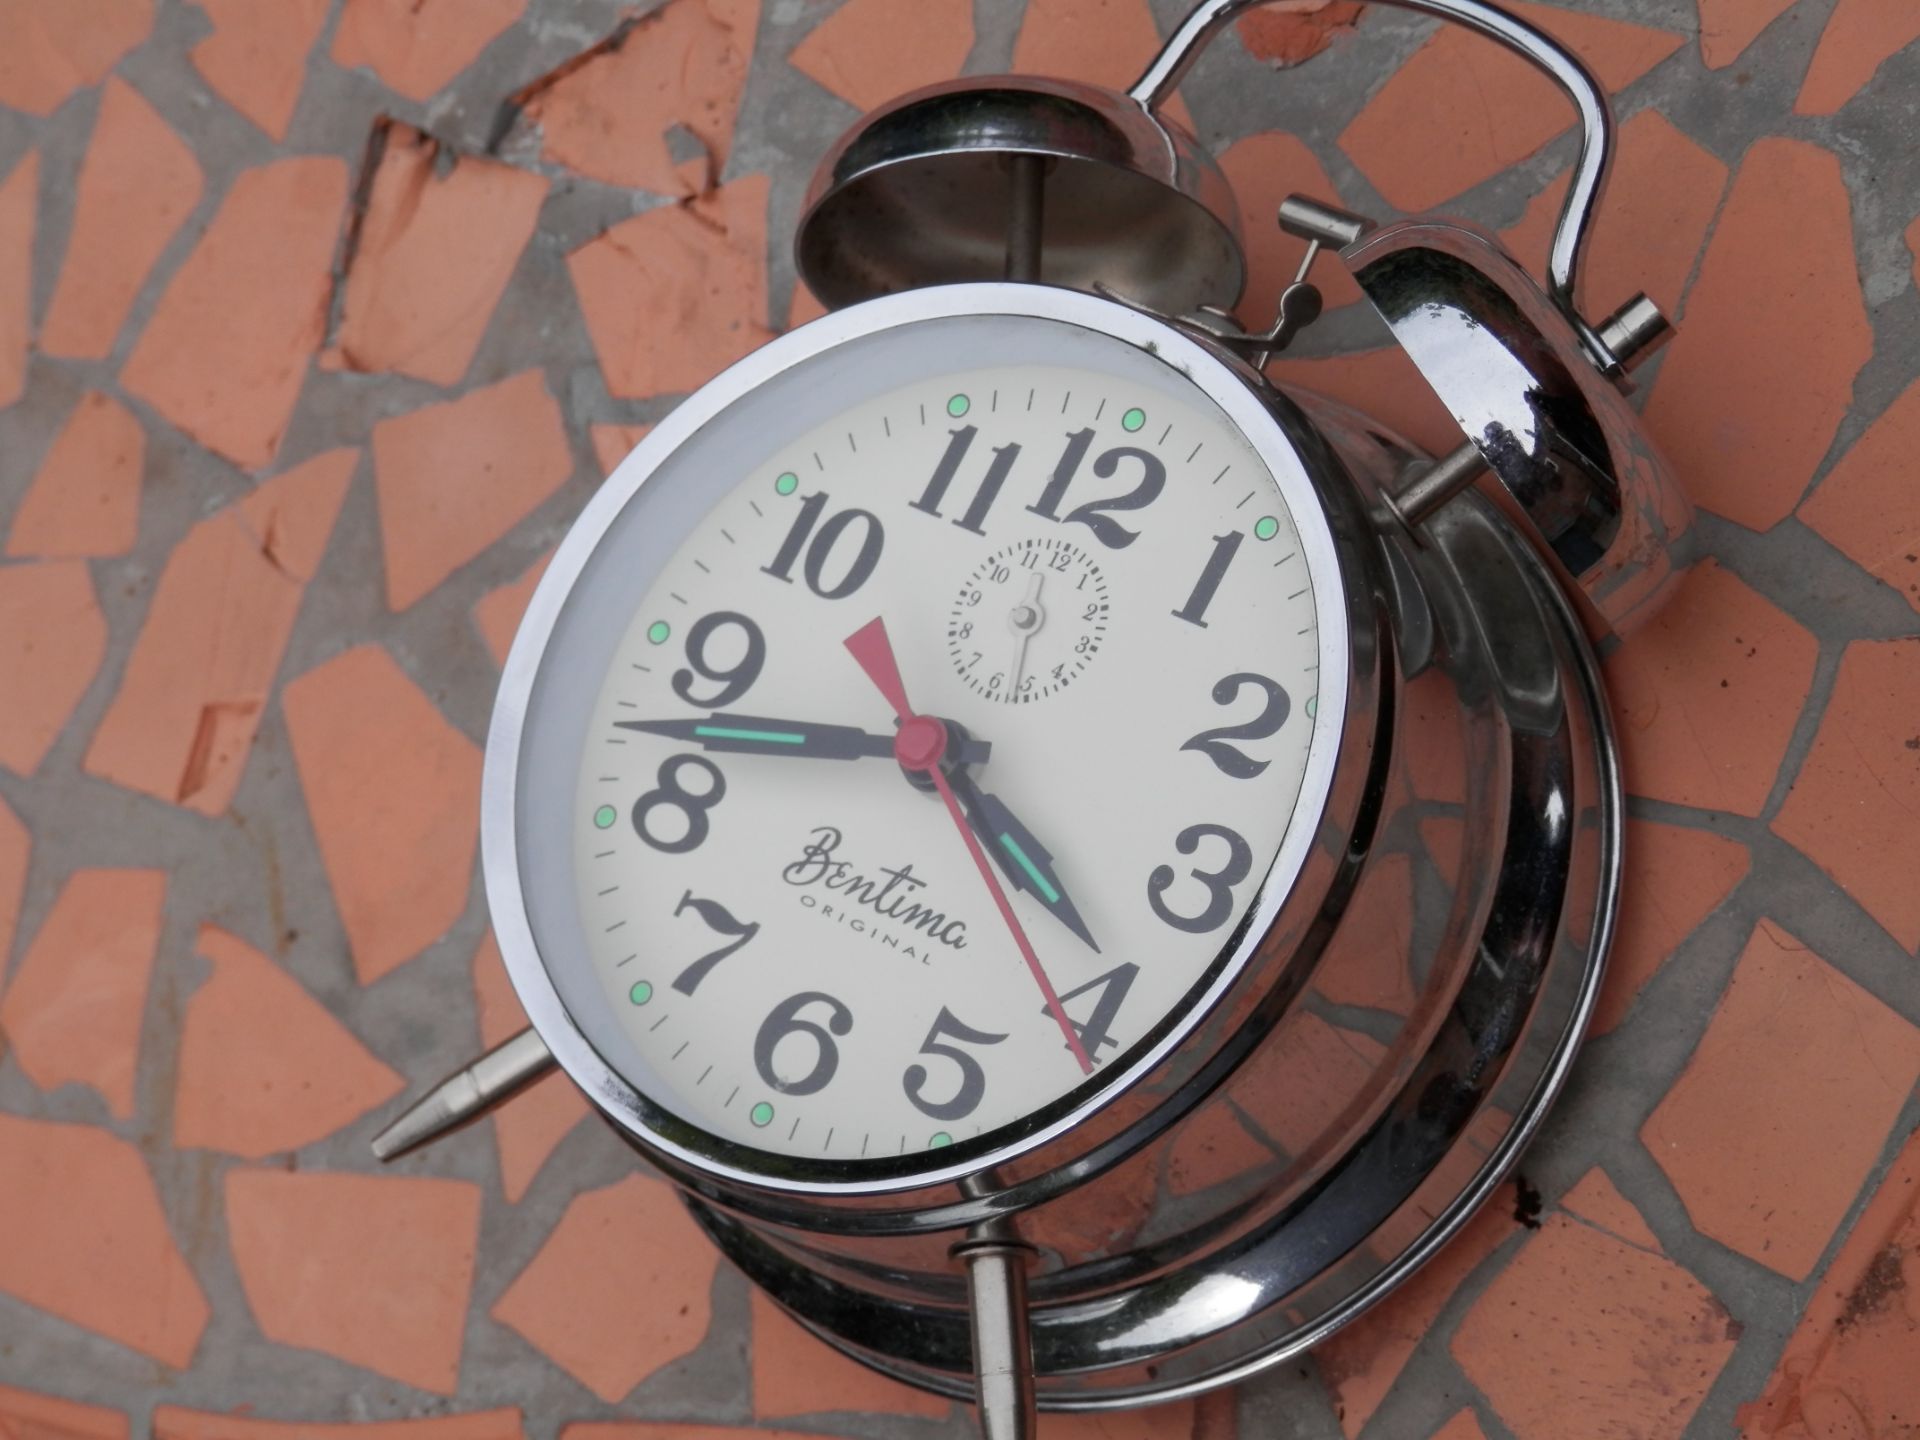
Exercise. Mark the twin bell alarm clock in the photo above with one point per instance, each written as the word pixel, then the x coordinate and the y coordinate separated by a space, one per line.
pixel 1085 866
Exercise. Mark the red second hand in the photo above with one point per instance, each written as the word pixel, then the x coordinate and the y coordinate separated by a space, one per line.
pixel 921 743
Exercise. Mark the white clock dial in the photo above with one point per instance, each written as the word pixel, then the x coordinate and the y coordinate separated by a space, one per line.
pixel 1100 594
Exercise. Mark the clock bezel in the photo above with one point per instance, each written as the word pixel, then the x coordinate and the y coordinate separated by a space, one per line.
pixel 726 1161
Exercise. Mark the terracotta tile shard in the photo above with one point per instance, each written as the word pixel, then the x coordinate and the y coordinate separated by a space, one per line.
pixel 1859 38
pixel 796 1373
pixel 74 1010
pixel 85 498
pixel 1104 42
pixel 25 1415
pixel 1264 169
pixel 538 1119
pixel 393 791
pixel 1745 419
pixel 226 351
pixel 1708 693
pixel 1162 1422
pixel 373 1270
pixel 52 639
pixel 1596 1200
pixel 608 114
pixel 1296 30
pixel 435 249
pixel 16 849
pixel 1865 505
pixel 1462 110
pixel 264 1068
pixel 639 1430
pixel 1785 1106
pixel 102 1257
pixel 1852 806
pixel 1675 878
pixel 1728 27
pixel 499 611
pixel 256 57
pixel 1382 385
pixel 182 725
pixel 1585 1337
pixel 621 1288
pixel 1848 1370
pixel 1464 1426
pixel 869 51
pixel 137 185
pixel 675 295
pixel 1661 200
pixel 454 478
pixel 19 198
pixel 170 1422
pixel 56 47
pixel 613 443
pixel 417 46
pixel 1361 1362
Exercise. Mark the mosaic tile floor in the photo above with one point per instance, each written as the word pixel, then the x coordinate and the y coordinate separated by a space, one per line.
pixel 318 321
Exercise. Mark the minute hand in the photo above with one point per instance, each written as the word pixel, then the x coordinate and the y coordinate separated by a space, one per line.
pixel 1026 862
pixel 726 733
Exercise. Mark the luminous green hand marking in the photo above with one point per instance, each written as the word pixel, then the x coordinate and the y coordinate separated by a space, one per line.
pixel 770 737
pixel 1033 871
pixel 781 736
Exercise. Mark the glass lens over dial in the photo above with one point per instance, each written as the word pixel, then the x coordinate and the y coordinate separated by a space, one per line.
pixel 929 764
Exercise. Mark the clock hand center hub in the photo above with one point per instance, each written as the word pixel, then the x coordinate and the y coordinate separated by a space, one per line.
pixel 920 743
pixel 1028 616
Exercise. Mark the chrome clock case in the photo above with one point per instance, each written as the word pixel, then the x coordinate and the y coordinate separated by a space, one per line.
pixel 1391 1018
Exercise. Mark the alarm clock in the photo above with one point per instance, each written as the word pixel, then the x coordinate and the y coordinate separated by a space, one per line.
pixel 1086 866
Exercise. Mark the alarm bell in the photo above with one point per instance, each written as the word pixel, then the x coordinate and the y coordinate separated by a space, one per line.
pixel 1064 183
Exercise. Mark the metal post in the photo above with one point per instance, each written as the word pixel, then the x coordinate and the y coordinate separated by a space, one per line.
pixel 1026 216
pixel 996 1261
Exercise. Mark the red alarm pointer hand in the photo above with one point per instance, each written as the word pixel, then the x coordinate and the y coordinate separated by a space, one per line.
pixel 919 744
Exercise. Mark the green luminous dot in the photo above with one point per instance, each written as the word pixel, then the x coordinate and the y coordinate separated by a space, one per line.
pixel 761 1114
pixel 658 632
pixel 940 1138
pixel 1133 419
pixel 641 992
pixel 958 406
pixel 1265 528
pixel 1313 706
pixel 604 817
pixel 786 484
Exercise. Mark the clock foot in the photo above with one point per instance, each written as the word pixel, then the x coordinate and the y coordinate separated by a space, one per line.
pixel 997 1264
pixel 467 1094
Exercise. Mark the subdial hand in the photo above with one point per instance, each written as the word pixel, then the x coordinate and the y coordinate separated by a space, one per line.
pixel 726 733
pixel 919 745
pixel 1027 862
pixel 1024 620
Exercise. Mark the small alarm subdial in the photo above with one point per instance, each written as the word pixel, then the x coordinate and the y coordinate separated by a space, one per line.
pixel 1028 621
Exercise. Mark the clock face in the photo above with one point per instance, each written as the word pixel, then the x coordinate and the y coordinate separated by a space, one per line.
pixel 933 755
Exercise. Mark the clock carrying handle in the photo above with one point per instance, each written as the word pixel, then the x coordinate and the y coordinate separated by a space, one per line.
pixel 1560 65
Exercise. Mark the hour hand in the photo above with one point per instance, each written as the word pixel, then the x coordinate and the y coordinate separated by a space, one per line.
pixel 727 733
pixel 1025 860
